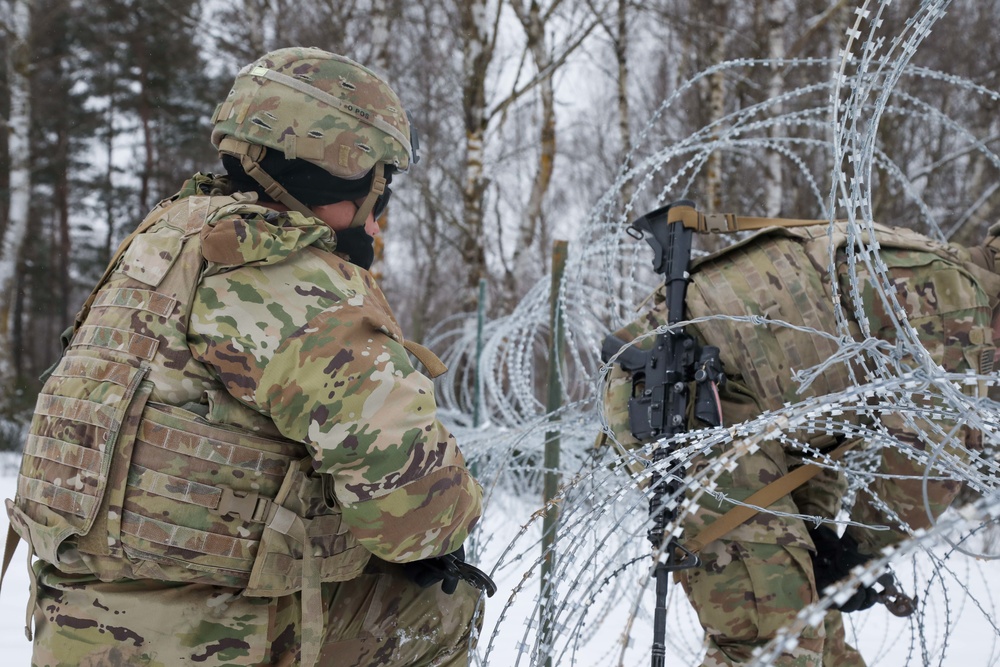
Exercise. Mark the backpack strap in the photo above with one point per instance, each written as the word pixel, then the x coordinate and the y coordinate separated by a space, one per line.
pixel 761 500
pixel 726 223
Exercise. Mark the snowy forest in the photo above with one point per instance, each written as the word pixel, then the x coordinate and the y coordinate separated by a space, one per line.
pixel 542 122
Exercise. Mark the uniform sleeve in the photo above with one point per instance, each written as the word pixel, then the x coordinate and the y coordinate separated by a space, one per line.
pixel 319 353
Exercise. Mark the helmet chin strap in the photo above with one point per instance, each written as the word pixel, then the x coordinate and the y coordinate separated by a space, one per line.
pixel 249 156
pixel 376 191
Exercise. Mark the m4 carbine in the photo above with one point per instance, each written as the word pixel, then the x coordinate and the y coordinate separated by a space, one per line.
pixel 662 378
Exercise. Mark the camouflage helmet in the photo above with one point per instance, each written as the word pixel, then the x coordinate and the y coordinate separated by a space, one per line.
pixel 319 107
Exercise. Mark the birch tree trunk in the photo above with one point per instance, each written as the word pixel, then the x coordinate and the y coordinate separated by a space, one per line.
pixel 624 112
pixel 533 230
pixel 775 15
pixel 716 104
pixel 477 52
pixel 19 148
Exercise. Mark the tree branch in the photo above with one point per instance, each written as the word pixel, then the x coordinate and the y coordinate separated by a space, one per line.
pixel 518 93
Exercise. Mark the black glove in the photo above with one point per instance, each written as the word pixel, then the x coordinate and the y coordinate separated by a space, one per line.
pixel 834 559
pixel 448 569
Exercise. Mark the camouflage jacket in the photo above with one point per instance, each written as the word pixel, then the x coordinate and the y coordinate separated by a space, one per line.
pixel 306 339
pixel 232 382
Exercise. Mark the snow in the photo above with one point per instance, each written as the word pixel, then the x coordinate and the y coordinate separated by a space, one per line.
pixel 956 623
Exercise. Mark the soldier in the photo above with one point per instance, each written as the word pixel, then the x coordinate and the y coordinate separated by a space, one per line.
pixel 234 462
pixel 757 577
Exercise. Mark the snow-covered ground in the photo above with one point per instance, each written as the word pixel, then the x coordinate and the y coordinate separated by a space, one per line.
pixel 957 626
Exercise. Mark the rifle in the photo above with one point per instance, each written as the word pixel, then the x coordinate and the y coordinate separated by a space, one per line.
pixel 661 381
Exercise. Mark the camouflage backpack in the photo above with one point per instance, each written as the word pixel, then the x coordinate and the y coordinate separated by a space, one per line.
pixel 781 274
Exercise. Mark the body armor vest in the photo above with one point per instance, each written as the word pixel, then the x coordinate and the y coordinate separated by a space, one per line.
pixel 121 479
pixel 780 274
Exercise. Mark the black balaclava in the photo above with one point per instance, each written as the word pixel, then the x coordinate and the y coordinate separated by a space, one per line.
pixel 313 186
pixel 358 245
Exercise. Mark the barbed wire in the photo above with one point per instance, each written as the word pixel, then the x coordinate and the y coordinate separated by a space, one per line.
pixel 602 586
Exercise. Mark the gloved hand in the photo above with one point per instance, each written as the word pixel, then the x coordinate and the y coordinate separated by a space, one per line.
pixel 425 573
pixel 834 559
pixel 449 570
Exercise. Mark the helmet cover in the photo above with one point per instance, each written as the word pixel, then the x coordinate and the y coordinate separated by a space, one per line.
pixel 320 107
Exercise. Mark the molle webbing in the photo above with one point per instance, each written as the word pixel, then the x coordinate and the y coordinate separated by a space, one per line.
pixel 181 471
pixel 779 277
pixel 773 279
pixel 143 226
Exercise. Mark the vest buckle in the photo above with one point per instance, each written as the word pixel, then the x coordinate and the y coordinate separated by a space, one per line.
pixel 248 505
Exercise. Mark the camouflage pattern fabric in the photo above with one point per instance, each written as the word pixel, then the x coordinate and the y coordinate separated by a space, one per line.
pixel 950 305
pixel 745 593
pixel 319 107
pixel 275 367
pixel 948 301
pixel 378 619
pixel 306 338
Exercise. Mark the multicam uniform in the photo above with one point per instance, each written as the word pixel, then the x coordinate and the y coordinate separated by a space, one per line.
pixel 756 579
pixel 238 390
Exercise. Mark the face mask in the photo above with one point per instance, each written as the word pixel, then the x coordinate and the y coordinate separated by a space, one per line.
pixel 357 245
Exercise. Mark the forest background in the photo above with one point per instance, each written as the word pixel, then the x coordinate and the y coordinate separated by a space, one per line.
pixel 527 111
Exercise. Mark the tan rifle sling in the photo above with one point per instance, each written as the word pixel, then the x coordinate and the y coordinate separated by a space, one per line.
pixel 761 500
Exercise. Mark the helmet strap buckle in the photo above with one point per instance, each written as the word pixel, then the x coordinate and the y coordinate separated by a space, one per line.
pixel 249 156
pixel 376 191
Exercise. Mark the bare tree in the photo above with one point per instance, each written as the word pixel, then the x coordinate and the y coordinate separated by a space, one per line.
pixel 617 32
pixel 536 19
pixel 19 150
pixel 478 26
pixel 716 102
pixel 383 15
pixel 620 41
pixel 533 18
pixel 775 16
